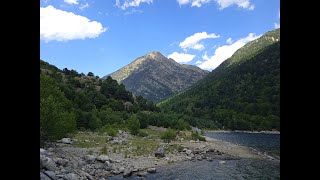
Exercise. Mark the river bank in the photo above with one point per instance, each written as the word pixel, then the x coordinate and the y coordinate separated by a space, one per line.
pixel 240 131
pixel 92 156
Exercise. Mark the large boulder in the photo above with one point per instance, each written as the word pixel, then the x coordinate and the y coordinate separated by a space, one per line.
pixel 152 170
pixel 90 158
pixel 160 152
pixel 66 140
pixel 48 163
pixel 103 158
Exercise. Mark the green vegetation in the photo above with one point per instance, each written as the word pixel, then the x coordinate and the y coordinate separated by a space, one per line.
pixel 71 101
pixel 134 124
pixel 243 93
pixel 169 135
pixel 56 116
pixel 196 136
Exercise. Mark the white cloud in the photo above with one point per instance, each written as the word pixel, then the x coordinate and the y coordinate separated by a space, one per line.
pixel 241 3
pixel 224 52
pixel 197 3
pixel 276 25
pixel 229 41
pixel 181 57
pixel 71 1
pixel 132 3
pixel 60 25
pixel 198 62
pixel 84 6
pixel 193 41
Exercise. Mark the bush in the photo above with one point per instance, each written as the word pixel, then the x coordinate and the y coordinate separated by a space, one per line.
pixel 195 136
pixel 133 124
pixel 109 130
pixel 168 135
pixel 142 133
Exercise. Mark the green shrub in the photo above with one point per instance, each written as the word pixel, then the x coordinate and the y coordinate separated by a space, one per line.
pixel 196 136
pixel 133 124
pixel 168 135
pixel 142 133
pixel 109 130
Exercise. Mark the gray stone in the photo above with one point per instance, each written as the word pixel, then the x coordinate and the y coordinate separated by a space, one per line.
pixel 66 140
pixel 222 162
pixel 103 158
pixel 127 173
pixel 160 152
pixel 86 140
pixel 142 174
pixel 152 170
pixel 121 169
pixel 188 152
pixel 42 151
pixel 51 174
pixel 90 158
pixel 49 164
pixel 43 176
pixel 62 162
pixel 71 176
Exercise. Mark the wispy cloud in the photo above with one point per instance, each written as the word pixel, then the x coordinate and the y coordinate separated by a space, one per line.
pixel 229 41
pixel 246 4
pixel 83 6
pixel 193 42
pixel 131 3
pixel 59 25
pixel 196 3
pixel 133 11
pixel 224 52
pixel 71 1
pixel 181 57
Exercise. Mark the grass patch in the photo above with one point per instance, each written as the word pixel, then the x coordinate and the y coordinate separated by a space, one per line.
pixel 143 146
pixel 93 140
pixel 173 147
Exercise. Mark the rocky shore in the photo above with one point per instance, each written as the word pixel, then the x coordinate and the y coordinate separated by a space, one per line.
pixel 64 161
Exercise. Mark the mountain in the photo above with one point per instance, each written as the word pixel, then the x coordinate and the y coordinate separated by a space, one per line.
pixel 243 93
pixel 156 77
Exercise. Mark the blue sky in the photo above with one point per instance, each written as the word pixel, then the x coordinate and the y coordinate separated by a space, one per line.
pixel 102 36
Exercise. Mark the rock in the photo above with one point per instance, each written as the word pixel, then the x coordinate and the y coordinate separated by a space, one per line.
pixel 62 162
pixel 103 158
pixel 42 151
pixel 152 170
pixel 71 176
pixel 127 173
pixel 160 152
pixel 222 162
pixel 142 174
pixel 121 169
pixel 188 152
pixel 50 174
pixel 43 176
pixel 89 158
pixel 75 140
pixel 192 141
pixel 86 140
pixel 48 164
pixel 66 140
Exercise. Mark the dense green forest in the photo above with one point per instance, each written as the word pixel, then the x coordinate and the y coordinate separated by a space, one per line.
pixel 243 93
pixel 70 101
